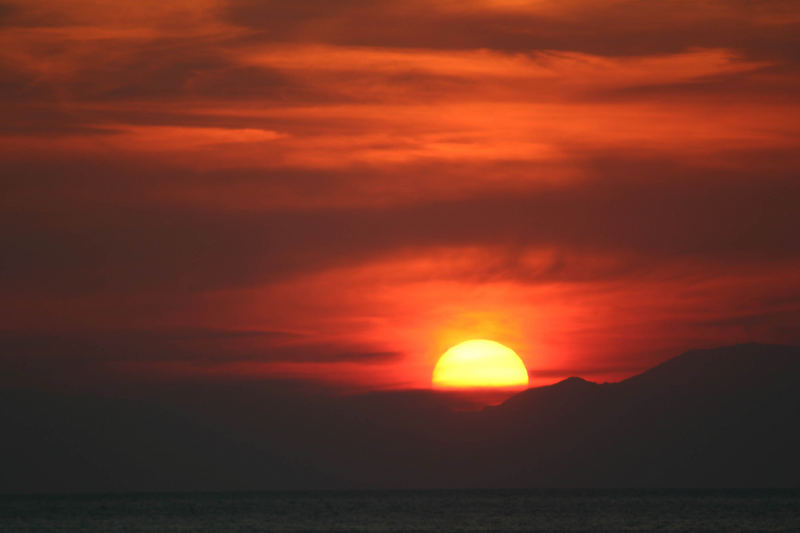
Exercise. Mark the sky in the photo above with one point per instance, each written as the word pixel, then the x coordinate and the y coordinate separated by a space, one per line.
pixel 332 193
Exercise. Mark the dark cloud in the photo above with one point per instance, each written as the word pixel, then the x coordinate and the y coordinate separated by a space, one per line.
pixel 607 28
pixel 45 122
pixel 168 68
pixel 37 357
pixel 165 68
pixel 254 83
pixel 654 209
pixel 198 346
pixel 778 84
pixel 776 326
pixel 156 69
pixel 16 86
pixel 6 12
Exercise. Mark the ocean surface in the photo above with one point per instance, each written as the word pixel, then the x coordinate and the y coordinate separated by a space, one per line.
pixel 409 511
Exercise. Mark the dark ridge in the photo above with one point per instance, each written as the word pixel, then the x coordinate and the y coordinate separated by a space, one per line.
pixel 574 381
pixel 732 365
pixel 572 389
pixel 716 418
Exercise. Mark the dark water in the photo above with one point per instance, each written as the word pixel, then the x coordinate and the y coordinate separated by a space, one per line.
pixel 409 511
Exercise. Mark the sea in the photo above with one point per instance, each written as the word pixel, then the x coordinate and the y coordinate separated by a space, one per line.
pixel 408 511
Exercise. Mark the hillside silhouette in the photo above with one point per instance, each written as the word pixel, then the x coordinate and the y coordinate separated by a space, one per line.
pixel 708 418
pixel 724 417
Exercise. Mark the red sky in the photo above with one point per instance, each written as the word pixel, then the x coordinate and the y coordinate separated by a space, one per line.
pixel 339 191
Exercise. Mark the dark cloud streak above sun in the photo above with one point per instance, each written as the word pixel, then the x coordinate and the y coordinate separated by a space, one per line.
pixel 664 217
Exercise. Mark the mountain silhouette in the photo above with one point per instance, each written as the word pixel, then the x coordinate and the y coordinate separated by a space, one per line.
pixel 725 417
pixel 708 418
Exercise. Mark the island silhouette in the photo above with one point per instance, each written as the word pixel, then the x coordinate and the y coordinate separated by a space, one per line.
pixel 725 417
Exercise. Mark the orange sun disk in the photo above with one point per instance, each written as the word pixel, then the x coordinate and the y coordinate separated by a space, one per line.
pixel 479 363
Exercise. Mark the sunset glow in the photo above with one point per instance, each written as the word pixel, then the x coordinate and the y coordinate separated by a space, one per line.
pixel 335 193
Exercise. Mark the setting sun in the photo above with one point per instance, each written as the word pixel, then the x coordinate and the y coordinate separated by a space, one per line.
pixel 480 363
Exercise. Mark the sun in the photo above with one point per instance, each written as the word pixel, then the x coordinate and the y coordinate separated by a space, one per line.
pixel 479 363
